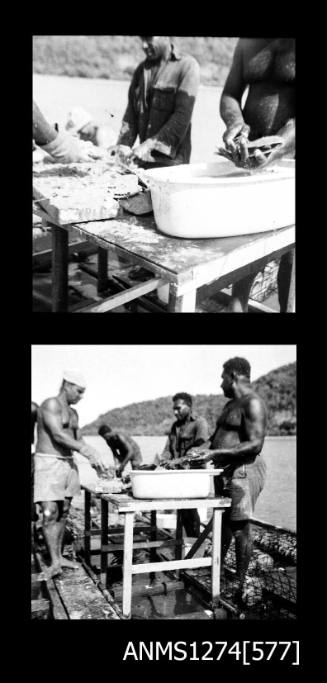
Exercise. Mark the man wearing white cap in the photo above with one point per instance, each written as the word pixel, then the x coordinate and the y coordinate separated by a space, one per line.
pixel 56 478
pixel 81 123
pixel 61 147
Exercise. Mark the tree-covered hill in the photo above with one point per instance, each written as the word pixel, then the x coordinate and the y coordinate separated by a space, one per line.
pixel 277 388
pixel 117 56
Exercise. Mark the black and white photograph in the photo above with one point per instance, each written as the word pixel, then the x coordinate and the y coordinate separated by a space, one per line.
pixel 163 174
pixel 164 482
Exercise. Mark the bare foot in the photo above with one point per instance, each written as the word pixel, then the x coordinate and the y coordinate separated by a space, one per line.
pixel 50 572
pixel 68 563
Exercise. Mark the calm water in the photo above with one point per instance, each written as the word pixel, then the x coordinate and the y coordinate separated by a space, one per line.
pixel 106 101
pixel 277 502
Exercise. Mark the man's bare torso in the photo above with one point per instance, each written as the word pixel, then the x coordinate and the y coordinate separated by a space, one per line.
pixel 269 71
pixel 69 423
pixel 230 428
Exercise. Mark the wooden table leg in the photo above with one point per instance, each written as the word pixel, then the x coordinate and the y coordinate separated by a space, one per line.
pixel 59 269
pixel 102 270
pixel 104 541
pixel 181 304
pixel 216 556
pixel 87 526
pixel 153 537
pixel 127 563
pixel 290 308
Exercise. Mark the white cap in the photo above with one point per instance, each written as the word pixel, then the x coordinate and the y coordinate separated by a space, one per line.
pixel 77 119
pixel 74 377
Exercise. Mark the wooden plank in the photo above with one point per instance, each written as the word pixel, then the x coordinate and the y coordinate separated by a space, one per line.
pixel 58 610
pixel 123 297
pixel 200 261
pixel 127 563
pixel 87 525
pixel 181 304
pixel 290 308
pixel 59 270
pixel 216 554
pixel 102 269
pixel 112 547
pixel 104 538
pixel 204 534
pixel 40 609
pixel 128 504
pixel 171 565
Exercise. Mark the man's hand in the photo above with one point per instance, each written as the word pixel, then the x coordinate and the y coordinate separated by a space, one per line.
pixel 67 149
pixel 121 153
pixel 143 152
pixel 200 454
pixel 235 139
pixel 94 458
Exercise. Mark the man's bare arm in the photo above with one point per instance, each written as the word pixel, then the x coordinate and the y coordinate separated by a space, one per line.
pixel 231 100
pixel 51 414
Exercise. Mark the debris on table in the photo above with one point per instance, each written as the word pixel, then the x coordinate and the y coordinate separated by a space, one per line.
pixel 75 193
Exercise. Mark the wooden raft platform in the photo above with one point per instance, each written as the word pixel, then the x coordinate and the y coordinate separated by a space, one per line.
pixel 73 595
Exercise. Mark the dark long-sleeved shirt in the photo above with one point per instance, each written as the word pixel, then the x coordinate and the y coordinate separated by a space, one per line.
pixel 184 436
pixel 160 107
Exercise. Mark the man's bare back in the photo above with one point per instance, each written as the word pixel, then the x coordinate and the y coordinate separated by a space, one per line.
pixel 68 419
pixel 269 71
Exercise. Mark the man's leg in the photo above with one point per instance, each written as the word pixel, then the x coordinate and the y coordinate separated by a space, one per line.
pixel 284 279
pixel 240 294
pixel 191 523
pixel 62 524
pixel 51 531
pixel 243 550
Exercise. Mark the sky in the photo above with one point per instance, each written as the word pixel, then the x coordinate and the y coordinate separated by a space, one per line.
pixel 117 375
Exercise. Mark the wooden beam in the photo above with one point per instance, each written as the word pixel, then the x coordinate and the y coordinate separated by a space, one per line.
pixel 123 297
pixel 59 270
pixel 128 566
pixel 171 565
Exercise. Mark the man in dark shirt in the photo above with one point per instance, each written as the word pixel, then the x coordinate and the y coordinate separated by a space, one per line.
pixel 160 105
pixel 186 433
pixel 123 447
pixel 266 66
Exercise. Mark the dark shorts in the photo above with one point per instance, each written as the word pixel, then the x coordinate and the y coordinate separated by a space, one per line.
pixel 244 488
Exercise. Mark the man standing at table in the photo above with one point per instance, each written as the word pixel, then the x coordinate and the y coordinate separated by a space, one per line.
pixel 56 478
pixel 236 446
pixel 123 447
pixel 161 99
pixel 266 66
pixel 186 432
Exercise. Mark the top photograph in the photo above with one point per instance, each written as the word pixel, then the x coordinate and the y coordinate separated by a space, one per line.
pixel 163 174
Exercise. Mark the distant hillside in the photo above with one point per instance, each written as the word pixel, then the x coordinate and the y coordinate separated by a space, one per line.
pixel 117 56
pixel 277 388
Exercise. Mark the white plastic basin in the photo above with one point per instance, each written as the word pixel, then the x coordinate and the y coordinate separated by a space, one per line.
pixel 220 200
pixel 172 483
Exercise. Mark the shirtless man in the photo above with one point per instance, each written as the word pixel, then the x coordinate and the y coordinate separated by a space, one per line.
pixel 236 446
pixel 56 478
pixel 267 67
pixel 123 447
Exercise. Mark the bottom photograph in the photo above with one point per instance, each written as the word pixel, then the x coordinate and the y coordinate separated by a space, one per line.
pixel 163 482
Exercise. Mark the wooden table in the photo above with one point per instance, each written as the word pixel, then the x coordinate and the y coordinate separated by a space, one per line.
pixel 185 265
pixel 128 506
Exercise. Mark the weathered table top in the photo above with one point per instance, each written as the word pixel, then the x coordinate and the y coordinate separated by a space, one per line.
pixel 126 503
pixel 183 259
